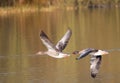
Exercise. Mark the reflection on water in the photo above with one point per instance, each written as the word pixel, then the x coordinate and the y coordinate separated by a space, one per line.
pixel 19 41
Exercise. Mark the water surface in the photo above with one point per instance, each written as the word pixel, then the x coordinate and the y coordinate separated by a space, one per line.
pixel 19 41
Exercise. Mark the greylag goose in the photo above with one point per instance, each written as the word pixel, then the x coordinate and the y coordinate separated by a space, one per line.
pixel 95 59
pixel 55 50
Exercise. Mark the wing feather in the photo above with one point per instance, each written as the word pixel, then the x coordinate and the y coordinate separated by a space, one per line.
pixel 95 62
pixel 64 40
pixel 46 41
pixel 85 52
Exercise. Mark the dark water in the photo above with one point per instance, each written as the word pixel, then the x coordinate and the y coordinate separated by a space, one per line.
pixel 19 41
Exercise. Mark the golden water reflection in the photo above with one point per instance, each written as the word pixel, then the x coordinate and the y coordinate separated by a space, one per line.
pixel 19 41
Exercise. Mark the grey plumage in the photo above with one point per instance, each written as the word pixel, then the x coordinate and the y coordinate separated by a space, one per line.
pixel 46 41
pixel 95 62
pixel 95 59
pixel 85 52
pixel 64 40
pixel 55 50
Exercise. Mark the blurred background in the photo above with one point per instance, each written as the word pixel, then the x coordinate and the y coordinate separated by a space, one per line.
pixel 46 3
pixel 93 26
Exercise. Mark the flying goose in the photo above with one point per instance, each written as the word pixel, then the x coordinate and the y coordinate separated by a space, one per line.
pixel 95 59
pixel 55 50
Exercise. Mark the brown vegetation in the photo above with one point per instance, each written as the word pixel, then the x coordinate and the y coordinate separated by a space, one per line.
pixel 47 3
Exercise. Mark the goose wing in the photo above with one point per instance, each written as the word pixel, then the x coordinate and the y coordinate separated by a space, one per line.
pixel 64 40
pixel 95 62
pixel 46 41
pixel 85 52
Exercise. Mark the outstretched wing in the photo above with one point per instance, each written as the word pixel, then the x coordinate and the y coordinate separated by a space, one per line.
pixel 95 62
pixel 64 41
pixel 85 52
pixel 46 41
